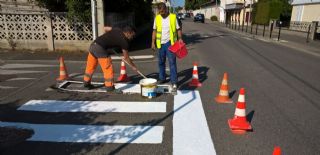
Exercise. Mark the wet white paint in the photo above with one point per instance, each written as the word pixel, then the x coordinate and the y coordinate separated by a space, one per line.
pixel 191 133
pixel 92 133
pixel 94 106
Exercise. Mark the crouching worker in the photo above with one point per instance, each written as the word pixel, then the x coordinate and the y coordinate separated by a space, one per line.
pixel 100 51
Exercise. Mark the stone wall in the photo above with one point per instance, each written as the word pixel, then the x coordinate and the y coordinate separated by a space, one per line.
pixel 50 31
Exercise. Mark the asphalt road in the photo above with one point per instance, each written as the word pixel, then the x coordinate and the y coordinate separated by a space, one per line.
pixel 282 95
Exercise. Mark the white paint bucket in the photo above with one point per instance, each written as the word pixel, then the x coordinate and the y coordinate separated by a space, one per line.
pixel 148 87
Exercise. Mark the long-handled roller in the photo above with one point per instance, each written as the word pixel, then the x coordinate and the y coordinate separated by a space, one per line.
pixel 129 64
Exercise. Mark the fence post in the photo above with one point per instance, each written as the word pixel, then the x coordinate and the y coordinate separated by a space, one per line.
pixel 49 32
pixel 264 29
pixel 257 29
pixel 247 27
pixel 271 29
pixel 314 30
pixel 251 28
pixel 308 33
pixel 239 26
pixel 280 23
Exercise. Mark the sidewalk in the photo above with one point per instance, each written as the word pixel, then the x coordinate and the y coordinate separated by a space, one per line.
pixel 292 39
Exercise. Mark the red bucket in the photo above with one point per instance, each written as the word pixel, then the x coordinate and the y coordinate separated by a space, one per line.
pixel 179 49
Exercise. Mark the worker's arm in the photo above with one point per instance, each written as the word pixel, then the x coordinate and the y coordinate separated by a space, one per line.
pixel 180 35
pixel 153 44
pixel 107 28
pixel 128 60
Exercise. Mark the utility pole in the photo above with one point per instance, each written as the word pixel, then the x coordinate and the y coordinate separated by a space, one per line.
pixel 94 19
pixel 244 11
pixel 250 12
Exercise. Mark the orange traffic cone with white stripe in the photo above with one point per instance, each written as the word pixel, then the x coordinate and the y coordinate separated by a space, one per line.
pixel 239 121
pixel 223 96
pixel 63 71
pixel 276 151
pixel 195 77
pixel 123 75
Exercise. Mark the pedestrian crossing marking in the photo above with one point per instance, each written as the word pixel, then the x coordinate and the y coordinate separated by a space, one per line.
pixel 92 133
pixel 94 106
pixel 20 79
pixel 191 133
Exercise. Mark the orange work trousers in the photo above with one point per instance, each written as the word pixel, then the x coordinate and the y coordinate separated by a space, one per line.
pixel 106 66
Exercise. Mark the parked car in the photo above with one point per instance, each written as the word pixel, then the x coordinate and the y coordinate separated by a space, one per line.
pixel 181 16
pixel 187 15
pixel 199 17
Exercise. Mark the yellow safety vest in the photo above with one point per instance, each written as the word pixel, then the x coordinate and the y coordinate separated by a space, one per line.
pixel 173 30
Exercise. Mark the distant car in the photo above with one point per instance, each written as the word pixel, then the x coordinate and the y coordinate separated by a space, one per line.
pixel 180 16
pixel 187 15
pixel 199 18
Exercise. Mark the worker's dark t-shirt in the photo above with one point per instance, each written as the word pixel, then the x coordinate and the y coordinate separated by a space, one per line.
pixel 104 43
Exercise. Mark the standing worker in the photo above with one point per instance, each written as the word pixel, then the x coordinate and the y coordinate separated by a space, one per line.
pixel 166 32
pixel 100 51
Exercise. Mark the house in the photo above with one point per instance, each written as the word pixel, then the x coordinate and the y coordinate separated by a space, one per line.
pixel 305 10
pixel 239 11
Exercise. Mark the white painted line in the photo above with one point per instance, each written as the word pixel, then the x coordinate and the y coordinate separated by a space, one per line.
pixel 128 88
pixel 247 38
pixel 134 57
pixel 94 106
pixel 92 133
pixel 9 72
pixel 191 133
pixel 7 87
pixel 20 79
pixel 11 66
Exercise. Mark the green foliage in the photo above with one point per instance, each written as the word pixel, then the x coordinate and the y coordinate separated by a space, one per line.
pixel 53 5
pixel 265 10
pixel 195 4
pixel 214 18
pixel 79 10
pixel 141 8
pixel 177 9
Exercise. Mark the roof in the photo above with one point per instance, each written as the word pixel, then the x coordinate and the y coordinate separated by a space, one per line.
pixel 298 2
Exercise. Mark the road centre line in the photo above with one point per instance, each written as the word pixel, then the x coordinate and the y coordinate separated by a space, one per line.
pixel 11 66
pixel 93 106
pixel 191 133
pixel 92 133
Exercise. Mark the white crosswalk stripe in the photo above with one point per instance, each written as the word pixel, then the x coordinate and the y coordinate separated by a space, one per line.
pixel 93 106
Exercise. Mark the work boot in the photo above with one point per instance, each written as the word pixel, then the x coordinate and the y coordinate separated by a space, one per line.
pixel 112 89
pixel 174 87
pixel 161 81
pixel 88 85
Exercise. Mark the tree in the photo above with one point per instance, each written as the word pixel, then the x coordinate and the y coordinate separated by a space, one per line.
pixel 194 4
pixel 177 9
pixel 79 10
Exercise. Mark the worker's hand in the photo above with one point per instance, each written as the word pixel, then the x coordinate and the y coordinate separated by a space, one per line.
pixel 153 46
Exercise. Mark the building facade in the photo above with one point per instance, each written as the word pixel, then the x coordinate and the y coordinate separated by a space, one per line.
pixel 305 10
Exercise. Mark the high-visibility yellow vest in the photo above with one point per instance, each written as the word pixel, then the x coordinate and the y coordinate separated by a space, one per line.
pixel 173 30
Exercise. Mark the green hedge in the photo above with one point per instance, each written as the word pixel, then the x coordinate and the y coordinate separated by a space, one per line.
pixel 214 18
pixel 265 10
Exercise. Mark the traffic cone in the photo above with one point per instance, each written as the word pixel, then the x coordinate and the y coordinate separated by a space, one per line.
pixel 195 77
pixel 276 151
pixel 63 71
pixel 223 96
pixel 123 75
pixel 239 121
